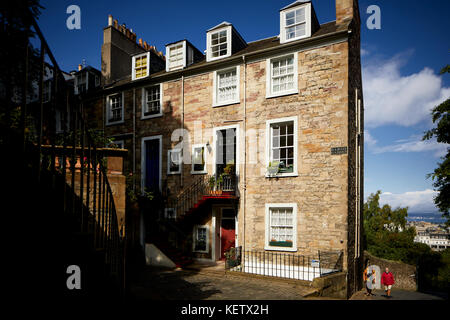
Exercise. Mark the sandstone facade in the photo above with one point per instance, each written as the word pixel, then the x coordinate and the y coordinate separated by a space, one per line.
pixel 325 188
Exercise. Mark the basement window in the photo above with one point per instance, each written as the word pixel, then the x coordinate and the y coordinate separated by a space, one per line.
pixel 170 213
pixel 281 226
pixel 114 109
pixel 152 102
pixel 201 239
pixel 141 65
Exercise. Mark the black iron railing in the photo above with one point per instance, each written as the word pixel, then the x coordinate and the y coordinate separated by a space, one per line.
pixel 203 186
pixel 282 264
pixel 64 150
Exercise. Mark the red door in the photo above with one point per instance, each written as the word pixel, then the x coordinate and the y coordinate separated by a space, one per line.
pixel 227 234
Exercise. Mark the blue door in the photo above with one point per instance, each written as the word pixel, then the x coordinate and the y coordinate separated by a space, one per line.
pixel 152 165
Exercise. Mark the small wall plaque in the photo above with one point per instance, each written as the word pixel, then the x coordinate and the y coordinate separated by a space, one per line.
pixel 339 150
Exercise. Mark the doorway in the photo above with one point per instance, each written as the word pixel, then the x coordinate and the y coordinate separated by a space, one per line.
pixel 227 231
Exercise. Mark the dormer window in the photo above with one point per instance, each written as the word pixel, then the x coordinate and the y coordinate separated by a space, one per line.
pixel 297 21
pixel 219 45
pixel 295 24
pixel 222 41
pixel 181 54
pixel 141 66
pixel 175 56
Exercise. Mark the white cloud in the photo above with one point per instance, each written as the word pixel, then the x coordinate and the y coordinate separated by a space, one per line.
pixel 369 139
pixel 416 201
pixel 412 144
pixel 391 98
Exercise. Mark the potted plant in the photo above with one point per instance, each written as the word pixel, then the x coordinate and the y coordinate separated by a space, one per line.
pixel 273 167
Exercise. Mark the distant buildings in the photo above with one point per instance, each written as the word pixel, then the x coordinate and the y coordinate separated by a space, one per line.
pixel 431 234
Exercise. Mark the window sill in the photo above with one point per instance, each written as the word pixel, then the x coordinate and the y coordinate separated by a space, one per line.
pixel 199 172
pixel 217 58
pixel 281 94
pixel 200 251
pixel 152 116
pixel 108 123
pixel 295 39
pixel 226 103
pixel 281 175
pixel 269 248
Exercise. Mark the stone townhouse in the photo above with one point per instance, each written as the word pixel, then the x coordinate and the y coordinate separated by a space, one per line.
pixel 256 144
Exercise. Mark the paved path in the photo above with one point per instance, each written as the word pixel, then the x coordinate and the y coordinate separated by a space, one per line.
pixel 396 295
pixel 157 284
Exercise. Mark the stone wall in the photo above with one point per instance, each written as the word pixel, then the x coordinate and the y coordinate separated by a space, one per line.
pixel 404 274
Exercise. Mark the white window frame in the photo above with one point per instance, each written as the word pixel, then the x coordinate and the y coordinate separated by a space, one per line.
pixel 217 103
pixel 283 26
pixel 238 146
pixel 144 102
pixel 108 109
pixel 47 86
pixel 168 161
pixel 86 83
pixel 294 90
pixel 168 216
pixel 269 123
pixel 294 226
pixel 133 70
pixel 118 143
pixel 209 56
pixel 168 48
pixel 196 227
pixel 195 146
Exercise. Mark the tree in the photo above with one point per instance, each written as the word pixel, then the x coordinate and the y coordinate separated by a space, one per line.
pixel 15 33
pixel 386 234
pixel 441 175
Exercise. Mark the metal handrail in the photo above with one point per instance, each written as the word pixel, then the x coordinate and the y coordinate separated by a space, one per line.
pixel 204 185
pixel 73 156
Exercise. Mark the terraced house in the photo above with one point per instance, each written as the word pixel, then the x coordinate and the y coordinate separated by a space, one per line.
pixel 255 145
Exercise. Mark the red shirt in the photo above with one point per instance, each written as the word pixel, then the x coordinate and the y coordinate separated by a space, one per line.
pixel 387 279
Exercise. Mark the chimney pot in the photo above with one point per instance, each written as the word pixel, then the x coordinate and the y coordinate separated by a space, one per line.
pixel 110 20
pixel 80 67
pixel 115 23
pixel 140 42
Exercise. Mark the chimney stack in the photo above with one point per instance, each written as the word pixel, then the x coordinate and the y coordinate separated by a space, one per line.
pixel 346 10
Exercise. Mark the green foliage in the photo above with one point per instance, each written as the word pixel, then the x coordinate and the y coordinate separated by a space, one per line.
pixel 386 236
pixel 441 175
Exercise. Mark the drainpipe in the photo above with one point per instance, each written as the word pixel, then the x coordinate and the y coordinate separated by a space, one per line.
pixel 245 148
pixel 182 126
pixel 134 138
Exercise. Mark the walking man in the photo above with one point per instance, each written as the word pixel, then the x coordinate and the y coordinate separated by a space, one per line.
pixel 387 279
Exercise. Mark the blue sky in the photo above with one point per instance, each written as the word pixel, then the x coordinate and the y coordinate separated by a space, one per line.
pixel 400 68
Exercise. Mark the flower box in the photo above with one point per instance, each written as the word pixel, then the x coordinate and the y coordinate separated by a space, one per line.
pixel 280 243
